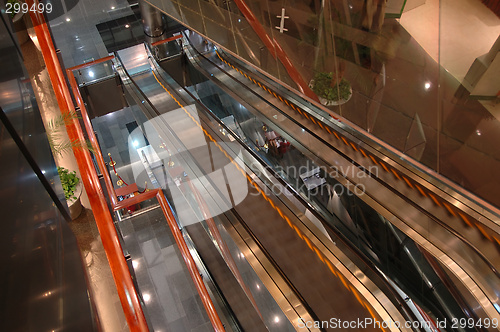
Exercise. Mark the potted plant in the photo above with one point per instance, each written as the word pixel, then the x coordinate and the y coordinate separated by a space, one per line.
pixel 329 90
pixel 330 57
pixel 61 145
pixel 72 190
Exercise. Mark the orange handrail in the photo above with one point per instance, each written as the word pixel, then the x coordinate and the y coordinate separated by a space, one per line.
pixel 125 287
pixel 166 40
pixel 91 63
pixel 158 194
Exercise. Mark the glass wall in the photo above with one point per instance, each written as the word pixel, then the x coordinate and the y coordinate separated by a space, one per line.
pixel 43 281
pixel 417 74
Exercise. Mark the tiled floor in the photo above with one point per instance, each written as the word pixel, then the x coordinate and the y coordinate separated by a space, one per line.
pixel 168 293
pixel 75 31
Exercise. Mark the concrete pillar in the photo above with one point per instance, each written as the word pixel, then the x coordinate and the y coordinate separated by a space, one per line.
pixel 153 21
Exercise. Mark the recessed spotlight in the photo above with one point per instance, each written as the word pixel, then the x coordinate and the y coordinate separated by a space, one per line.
pixel 127 26
pixel 91 73
pixel 276 319
pixel 478 133
pixel 427 85
pixel 146 297
pixel 68 19
pixel 113 7
pixel 135 144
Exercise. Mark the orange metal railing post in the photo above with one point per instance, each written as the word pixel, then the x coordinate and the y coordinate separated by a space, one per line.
pixel 125 287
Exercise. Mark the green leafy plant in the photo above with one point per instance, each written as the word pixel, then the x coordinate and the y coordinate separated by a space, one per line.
pixel 57 141
pixel 323 87
pixel 69 181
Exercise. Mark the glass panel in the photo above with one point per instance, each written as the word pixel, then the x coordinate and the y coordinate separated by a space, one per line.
pixel 94 73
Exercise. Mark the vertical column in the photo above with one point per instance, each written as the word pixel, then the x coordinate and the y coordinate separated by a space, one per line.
pixel 153 21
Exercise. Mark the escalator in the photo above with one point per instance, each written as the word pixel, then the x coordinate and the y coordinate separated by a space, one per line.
pixel 302 273
pixel 476 255
pixel 408 277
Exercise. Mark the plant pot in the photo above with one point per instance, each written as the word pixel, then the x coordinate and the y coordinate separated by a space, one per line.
pixel 75 205
pixel 329 102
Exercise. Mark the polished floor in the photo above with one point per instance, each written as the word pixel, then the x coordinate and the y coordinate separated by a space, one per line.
pixel 103 289
pixel 466 24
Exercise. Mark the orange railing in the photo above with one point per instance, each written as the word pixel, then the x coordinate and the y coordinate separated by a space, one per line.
pixel 121 275
pixel 166 40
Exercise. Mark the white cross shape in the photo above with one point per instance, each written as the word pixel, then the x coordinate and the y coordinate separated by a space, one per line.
pixel 281 28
